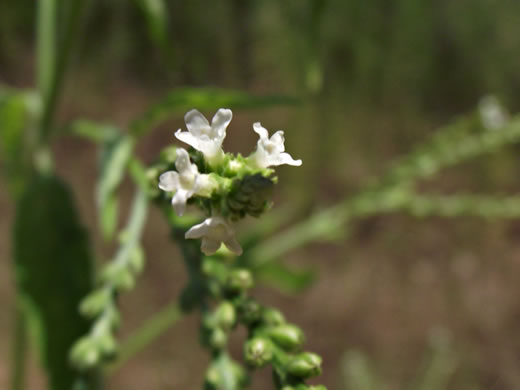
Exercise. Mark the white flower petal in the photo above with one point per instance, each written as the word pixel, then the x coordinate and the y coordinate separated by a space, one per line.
pixel 183 163
pixel 261 131
pixel 187 138
pixel 179 201
pixel 198 231
pixel 196 122
pixel 285 158
pixel 209 247
pixel 169 181
pixel 233 245
pixel 278 139
pixel 220 122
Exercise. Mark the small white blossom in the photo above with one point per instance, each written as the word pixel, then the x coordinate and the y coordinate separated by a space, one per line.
pixel 204 137
pixel 186 182
pixel 215 231
pixel 271 151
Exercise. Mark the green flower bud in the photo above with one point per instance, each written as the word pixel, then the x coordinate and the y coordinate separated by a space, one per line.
pixel 287 336
pixel 273 317
pixel 225 315
pixel 304 365
pixel 84 353
pixel 95 302
pixel 249 196
pixel 218 338
pixel 258 352
pixel 250 311
pixel 239 280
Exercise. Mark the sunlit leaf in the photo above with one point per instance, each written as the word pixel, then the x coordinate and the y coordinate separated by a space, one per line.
pixel 183 99
pixel 53 272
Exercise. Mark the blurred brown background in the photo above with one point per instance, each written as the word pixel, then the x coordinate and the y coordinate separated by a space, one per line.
pixel 375 78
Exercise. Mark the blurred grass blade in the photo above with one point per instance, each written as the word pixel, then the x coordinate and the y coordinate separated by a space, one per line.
pixel 53 272
pixel 183 99
pixel 18 113
pixel 95 132
pixel 357 373
pixel 284 278
pixel 115 156
pixel 156 15
pixel 440 365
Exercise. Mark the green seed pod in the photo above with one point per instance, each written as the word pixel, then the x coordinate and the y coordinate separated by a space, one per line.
pixel 239 280
pixel 225 315
pixel 273 317
pixel 258 352
pixel 304 365
pixel 287 336
pixel 213 378
pixel 250 311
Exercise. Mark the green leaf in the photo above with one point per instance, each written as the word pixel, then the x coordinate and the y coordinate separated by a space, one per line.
pixel 53 271
pixel 183 99
pixel 95 132
pixel 284 278
pixel 115 156
pixel 18 112
pixel 156 16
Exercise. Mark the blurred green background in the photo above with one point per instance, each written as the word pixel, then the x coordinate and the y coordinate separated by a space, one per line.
pixel 400 297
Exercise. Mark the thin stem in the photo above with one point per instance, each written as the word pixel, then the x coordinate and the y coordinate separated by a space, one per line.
pixel 146 334
pixel 19 351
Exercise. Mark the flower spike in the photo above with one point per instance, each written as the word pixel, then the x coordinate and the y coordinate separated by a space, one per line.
pixel 204 137
pixel 271 151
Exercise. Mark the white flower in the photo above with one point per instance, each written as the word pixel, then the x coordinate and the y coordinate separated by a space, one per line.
pixel 204 137
pixel 186 182
pixel 214 231
pixel 271 151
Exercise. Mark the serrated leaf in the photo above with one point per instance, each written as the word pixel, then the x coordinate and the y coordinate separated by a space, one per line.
pixel 53 271
pixel 183 99
pixel 284 278
pixel 115 156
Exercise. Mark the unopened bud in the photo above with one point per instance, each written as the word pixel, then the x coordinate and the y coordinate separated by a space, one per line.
pixel 250 311
pixel 239 280
pixel 258 352
pixel 273 317
pixel 304 365
pixel 225 315
pixel 287 336
pixel 218 338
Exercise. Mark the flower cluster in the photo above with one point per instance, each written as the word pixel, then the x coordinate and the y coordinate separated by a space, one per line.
pixel 227 187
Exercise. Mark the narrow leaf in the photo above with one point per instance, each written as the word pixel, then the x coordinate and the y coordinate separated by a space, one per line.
pixel 115 156
pixel 53 271
pixel 183 99
pixel 284 278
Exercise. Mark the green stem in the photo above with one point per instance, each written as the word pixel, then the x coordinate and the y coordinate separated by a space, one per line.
pixel 146 334
pixel 19 351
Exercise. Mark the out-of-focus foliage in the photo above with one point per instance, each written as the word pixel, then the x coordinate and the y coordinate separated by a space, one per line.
pixel 52 263
pixel 425 54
